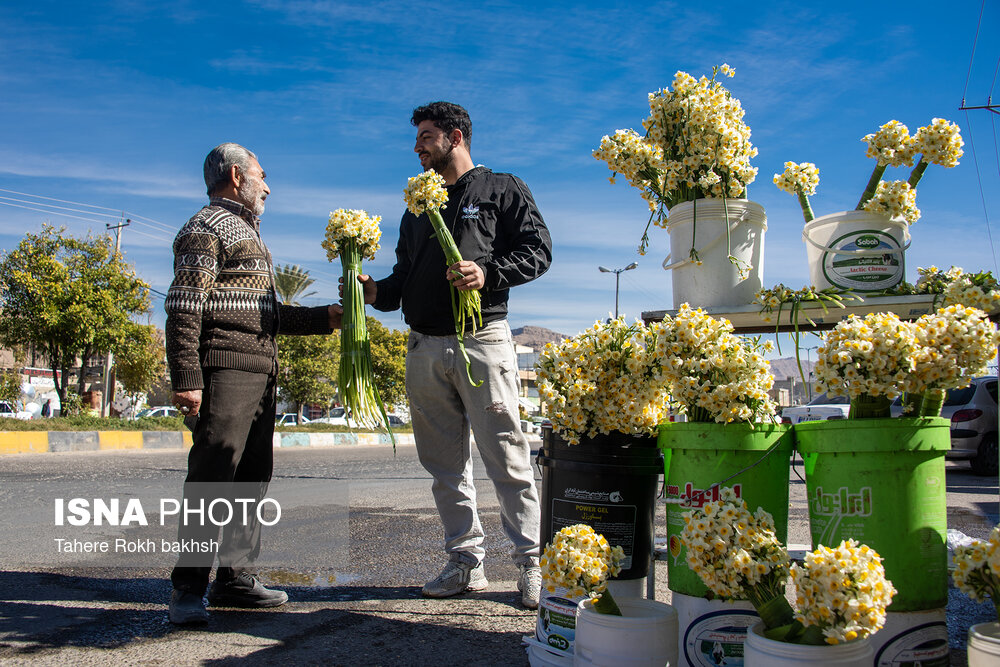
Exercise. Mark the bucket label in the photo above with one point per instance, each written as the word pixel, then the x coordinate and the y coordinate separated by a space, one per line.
pixel 693 498
pixel 925 644
pixel 615 521
pixel 717 638
pixel 855 269
pixel 556 623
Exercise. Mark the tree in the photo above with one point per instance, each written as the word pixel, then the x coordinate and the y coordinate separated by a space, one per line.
pixel 68 297
pixel 290 282
pixel 388 350
pixel 142 363
pixel 307 369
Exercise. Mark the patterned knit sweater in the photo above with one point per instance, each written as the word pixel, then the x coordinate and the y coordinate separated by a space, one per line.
pixel 222 311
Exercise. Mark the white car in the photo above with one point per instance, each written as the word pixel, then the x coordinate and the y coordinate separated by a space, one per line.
pixel 821 407
pixel 290 419
pixel 158 411
pixel 8 410
pixel 337 418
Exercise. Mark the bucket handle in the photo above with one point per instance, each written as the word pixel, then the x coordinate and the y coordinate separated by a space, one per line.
pixel 863 253
pixel 681 262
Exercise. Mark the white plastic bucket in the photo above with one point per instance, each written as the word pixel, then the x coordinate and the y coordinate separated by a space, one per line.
pixel 645 635
pixel 540 656
pixel 912 637
pixel 763 652
pixel 710 631
pixel 984 645
pixel 856 250
pixel 717 281
pixel 555 625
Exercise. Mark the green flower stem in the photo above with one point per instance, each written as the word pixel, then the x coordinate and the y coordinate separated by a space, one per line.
pixel 464 303
pixel 869 407
pixel 775 612
pixel 872 185
pixel 926 404
pixel 807 211
pixel 356 376
pixel 917 173
pixel 606 604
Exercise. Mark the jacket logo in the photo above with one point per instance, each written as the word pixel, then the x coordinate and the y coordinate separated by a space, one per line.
pixel 470 212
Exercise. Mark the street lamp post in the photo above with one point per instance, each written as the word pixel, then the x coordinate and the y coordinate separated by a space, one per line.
pixel 617 272
pixel 809 366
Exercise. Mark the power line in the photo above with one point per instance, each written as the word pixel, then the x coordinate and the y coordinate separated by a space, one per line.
pixel 975 42
pixel 42 210
pixel 982 196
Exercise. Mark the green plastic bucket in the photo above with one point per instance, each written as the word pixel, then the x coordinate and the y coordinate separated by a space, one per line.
pixel 698 457
pixel 882 482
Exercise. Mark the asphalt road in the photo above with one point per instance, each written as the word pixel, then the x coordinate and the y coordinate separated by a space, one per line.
pixel 363 539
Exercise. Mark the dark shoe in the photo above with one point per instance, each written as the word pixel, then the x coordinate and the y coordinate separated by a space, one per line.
pixel 244 591
pixel 187 608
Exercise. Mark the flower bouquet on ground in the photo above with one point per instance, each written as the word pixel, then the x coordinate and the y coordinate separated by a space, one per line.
pixel 695 146
pixel 580 561
pixel 609 378
pixel 892 146
pixel 426 193
pixel 841 593
pixel 714 374
pixel 353 235
pixel 977 569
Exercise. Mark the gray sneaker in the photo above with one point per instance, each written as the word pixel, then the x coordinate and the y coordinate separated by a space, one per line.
pixel 456 577
pixel 530 584
pixel 187 608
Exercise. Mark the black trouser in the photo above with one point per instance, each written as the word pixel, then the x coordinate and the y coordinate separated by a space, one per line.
pixel 232 444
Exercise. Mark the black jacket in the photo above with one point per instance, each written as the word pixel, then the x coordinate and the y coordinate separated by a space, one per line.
pixel 495 223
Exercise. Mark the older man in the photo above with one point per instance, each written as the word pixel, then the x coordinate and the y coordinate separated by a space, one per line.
pixel 223 318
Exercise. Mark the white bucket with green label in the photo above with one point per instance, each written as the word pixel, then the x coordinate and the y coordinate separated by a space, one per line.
pixel 856 250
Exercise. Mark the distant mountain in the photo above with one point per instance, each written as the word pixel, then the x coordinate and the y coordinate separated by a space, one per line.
pixel 786 367
pixel 536 337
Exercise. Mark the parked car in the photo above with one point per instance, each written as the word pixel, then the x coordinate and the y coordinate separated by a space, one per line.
pixel 158 411
pixel 338 417
pixel 290 419
pixel 821 407
pixel 8 410
pixel 973 415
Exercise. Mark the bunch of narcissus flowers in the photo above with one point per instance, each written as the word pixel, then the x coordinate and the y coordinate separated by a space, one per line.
pixel 957 343
pixel 843 591
pixel 713 373
pixel 580 562
pixel 352 226
pixel 608 378
pixel 892 146
pixel 695 145
pixel 977 568
pixel 735 552
pixel 353 235
pixel 869 356
pixel 978 290
pixel 881 355
pixel 426 193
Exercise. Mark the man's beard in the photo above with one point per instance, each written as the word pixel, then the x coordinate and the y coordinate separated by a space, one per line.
pixel 249 192
pixel 440 164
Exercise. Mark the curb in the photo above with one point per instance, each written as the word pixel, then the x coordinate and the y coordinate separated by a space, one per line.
pixel 44 442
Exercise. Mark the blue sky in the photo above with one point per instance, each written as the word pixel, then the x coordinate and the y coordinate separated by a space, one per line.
pixel 115 104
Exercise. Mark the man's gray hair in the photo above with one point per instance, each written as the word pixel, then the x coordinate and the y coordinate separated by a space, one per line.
pixel 220 161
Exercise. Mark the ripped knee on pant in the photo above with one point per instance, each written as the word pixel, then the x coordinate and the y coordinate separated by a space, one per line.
pixel 497 407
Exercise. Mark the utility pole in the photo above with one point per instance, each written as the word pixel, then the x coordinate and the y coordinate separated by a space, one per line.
pixel 109 379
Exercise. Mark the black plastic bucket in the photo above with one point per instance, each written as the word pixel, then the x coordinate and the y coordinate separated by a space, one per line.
pixel 608 483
